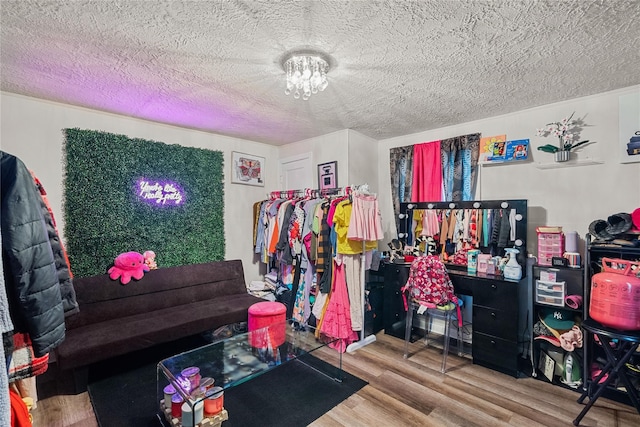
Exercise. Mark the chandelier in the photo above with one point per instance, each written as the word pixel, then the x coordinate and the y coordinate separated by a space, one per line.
pixel 306 73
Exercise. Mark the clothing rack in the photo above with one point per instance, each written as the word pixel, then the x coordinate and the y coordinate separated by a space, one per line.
pixel 290 194
pixel 308 192
pixel 338 191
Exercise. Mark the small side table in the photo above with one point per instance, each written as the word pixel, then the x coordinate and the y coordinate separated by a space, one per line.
pixel 617 356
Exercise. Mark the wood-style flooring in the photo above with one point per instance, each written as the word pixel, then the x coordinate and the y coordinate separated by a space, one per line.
pixel 406 392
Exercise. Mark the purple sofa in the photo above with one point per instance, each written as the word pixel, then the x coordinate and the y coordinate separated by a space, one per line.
pixel 165 305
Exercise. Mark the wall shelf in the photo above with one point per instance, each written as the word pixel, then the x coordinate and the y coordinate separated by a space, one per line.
pixel 510 162
pixel 569 164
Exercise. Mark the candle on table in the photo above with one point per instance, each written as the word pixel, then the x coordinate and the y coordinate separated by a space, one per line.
pixel 192 373
pixel 176 405
pixel 191 416
pixel 214 400
pixel 169 391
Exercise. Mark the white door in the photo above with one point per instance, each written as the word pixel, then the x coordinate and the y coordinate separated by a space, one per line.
pixel 296 172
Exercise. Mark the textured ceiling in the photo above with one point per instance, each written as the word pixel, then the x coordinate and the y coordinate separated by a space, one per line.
pixel 399 67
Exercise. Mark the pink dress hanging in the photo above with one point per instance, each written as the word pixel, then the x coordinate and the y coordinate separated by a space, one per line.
pixel 336 322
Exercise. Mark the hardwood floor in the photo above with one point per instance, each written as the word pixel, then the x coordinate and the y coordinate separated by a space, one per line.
pixel 409 392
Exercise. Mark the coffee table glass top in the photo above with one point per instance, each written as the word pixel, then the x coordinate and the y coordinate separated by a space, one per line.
pixel 237 359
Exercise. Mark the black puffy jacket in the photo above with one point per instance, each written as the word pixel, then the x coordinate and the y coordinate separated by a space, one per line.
pixel 30 274
pixel 67 292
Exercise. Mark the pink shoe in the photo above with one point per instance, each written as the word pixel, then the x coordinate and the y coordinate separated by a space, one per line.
pixel 595 371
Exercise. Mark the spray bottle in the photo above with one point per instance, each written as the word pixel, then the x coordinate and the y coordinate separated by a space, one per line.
pixel 512 270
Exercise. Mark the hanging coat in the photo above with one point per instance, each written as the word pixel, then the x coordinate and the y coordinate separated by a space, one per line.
pixel 33 290
pixel 65 278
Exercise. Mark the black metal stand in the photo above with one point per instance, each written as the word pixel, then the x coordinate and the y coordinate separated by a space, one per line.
pixel 618 355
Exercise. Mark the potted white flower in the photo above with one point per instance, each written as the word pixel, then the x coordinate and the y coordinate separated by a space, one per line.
pixel 568 132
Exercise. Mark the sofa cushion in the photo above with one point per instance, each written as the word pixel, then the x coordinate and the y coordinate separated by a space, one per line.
pixel 98 341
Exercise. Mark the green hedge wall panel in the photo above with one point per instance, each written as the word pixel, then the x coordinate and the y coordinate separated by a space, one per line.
pixel 105 217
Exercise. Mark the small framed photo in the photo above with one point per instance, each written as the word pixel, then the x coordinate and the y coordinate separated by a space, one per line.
pixel 328 175
pixel 247 169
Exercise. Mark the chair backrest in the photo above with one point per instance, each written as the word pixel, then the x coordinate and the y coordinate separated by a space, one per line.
pixel 429 281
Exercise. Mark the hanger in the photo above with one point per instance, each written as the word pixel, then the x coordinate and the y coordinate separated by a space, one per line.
pixel 363 189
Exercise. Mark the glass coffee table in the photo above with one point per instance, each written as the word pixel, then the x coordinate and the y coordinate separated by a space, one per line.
pixel 191 385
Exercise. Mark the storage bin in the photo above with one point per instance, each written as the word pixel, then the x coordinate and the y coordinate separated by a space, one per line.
pixel 550 244
pixel 550 293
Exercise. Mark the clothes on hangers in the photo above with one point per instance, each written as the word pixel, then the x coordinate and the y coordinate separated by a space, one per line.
pixel 32 284
pixel 315 233
pixel 352 265
pixel 365 222
pixel 19 412
pixel 257 207
pixel 458 230
pixel 36 278
pixel 6 328
pixel 63 266
pixel 342 224
pixel 336 321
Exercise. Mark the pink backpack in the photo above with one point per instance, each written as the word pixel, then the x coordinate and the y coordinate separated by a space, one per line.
pixel 429 282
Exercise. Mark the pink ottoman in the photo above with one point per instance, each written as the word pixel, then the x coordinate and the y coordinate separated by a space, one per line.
pixel 263 314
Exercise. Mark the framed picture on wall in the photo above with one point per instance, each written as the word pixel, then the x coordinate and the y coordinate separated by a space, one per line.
pixel 328 175
pixel 247 169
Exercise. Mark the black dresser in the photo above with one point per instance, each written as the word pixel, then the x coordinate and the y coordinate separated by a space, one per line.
pixel 394 314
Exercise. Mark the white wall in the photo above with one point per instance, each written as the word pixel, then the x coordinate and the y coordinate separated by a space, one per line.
pixel 356 154
pixel 571 197
pixel 325 148
pixel 31 129
pixel 363 159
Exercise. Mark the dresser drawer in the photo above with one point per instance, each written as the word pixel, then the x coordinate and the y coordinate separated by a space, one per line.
pixel 394 314
pixel 499 323
pixel 398 273
pixel 494 293
pixel 495 353
pixel 462 283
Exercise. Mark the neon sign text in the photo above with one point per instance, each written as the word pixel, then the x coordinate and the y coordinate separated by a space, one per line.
pixel 160 193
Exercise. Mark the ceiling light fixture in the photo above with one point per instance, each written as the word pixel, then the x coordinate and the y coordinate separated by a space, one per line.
pixel 306 73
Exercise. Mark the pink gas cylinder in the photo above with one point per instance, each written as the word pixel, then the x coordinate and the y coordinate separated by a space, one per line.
pixel 615 294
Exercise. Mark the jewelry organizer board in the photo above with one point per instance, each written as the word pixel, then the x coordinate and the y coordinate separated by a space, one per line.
pixel 520 205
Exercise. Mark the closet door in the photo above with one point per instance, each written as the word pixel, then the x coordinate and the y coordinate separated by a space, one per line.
pixel 296 172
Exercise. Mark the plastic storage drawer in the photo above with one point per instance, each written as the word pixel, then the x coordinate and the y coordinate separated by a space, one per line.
pixel 549 245
pixel 550 293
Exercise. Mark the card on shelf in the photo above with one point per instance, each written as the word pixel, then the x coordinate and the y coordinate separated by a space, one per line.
pixel 548 276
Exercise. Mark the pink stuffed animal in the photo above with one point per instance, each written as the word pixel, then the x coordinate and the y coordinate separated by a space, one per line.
pixel 128 265
pixel 150 259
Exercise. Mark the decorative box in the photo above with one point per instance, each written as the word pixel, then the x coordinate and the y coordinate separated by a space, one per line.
pixel 483 263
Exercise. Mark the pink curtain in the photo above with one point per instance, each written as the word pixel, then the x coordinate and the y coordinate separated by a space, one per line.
pixel 427 173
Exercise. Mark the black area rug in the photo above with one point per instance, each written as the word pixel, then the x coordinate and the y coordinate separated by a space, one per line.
pixel 123 392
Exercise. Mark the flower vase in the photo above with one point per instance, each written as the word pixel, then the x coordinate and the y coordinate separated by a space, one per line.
pixel 562 156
